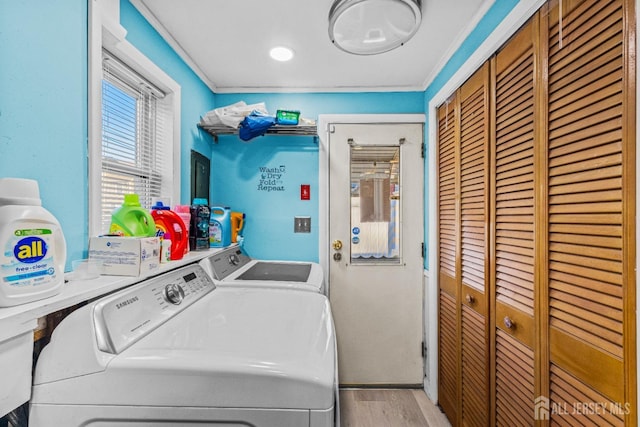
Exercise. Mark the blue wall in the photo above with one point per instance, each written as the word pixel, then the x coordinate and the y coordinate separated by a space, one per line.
pixel 236 169
pixel 43 107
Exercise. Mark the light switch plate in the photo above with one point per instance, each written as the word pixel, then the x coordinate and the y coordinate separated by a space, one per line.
pixel 302 224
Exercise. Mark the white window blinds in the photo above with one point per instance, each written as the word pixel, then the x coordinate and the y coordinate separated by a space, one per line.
pixel 133 154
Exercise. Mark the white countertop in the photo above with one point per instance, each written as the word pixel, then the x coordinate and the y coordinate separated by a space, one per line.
pixel 17 319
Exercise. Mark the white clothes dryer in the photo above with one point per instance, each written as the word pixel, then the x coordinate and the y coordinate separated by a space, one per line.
pixel 174 350
pixel 233 268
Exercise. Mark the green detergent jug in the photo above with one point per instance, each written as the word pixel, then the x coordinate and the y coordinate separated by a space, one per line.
pixel 131 219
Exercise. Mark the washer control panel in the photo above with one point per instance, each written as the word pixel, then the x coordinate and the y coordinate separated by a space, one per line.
pixel 226 262
pixel 126 316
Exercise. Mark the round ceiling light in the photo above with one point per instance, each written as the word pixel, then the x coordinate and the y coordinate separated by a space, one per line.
pixel 368 27
pixel 281 53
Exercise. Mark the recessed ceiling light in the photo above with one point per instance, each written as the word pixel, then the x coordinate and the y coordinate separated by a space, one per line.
pixel 281 53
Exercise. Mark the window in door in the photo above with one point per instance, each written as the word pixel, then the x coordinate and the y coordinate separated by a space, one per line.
pixel 375 196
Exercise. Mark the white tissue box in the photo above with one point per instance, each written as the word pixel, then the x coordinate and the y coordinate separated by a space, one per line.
pixel 126 256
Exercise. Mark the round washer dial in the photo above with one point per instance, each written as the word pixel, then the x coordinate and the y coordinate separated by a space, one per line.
pixel 234 259
pixel 174 293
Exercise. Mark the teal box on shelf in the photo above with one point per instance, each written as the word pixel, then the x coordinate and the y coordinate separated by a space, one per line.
pixel 287 117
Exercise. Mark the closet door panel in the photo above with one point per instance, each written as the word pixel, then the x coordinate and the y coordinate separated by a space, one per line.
pixel 513 222
pixel 448 262
pixel 514 190
pixel 586 204
pixel 474 205
pixel 463 254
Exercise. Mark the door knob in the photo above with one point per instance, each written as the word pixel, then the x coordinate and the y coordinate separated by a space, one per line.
pixel 508 323
pixel 337 245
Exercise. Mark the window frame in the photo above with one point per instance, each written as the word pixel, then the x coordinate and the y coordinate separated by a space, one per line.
pixel 105 32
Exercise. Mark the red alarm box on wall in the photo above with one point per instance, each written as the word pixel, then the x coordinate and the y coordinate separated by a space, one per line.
pixel 305 192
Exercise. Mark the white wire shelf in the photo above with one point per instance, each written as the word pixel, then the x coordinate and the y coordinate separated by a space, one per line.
pixel 297 130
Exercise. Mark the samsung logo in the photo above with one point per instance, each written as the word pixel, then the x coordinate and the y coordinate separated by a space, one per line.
pixel 126 302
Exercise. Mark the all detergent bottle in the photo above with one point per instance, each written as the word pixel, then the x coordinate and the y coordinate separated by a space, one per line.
pixel 199 229
pixel 131 219
pixel 33 249
pixel 168 223
pixel 237 222
pixel 220 227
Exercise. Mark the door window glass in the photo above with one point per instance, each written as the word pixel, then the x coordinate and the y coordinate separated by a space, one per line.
pixel 375 203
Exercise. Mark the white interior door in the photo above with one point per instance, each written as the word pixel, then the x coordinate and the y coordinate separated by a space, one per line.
pixel 376 208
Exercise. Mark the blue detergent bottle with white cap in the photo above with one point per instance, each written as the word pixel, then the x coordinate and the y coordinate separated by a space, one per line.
pixel 220 227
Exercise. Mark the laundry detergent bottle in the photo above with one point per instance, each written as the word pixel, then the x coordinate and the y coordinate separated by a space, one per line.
pixel 237 222
pixel 131 219
pixel 168 223
pixel 199 229
pixel 220 227
pixel 184 212
pixel 33 248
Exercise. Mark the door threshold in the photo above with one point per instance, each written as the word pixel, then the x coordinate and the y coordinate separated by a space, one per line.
pixel 380 386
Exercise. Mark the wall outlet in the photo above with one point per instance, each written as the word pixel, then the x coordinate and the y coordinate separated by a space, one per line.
pixel 302 224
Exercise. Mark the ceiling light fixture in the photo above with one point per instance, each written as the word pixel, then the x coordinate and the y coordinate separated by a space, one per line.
pixel 369 27
pixel 281 53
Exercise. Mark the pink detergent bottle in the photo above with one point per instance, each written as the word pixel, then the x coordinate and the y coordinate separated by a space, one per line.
pixel 184 212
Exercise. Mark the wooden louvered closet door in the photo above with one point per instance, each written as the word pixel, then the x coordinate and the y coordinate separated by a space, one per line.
pixel 448 243
pixel 513 219
pixel 553 290
pixel 463 235
pixel 474 245
pixel 591 284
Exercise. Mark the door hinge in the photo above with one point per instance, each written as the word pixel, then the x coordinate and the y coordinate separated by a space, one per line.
pixel 422 150
pixel 422 250
pixel 423 349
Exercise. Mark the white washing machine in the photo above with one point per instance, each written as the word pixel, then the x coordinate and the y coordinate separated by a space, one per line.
pixel 174 350
pixel 232 267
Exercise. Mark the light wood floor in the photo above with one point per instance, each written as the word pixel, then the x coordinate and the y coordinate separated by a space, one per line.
pixel 388 408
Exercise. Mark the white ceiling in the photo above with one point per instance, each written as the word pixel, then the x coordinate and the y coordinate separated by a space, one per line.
pixel 227 43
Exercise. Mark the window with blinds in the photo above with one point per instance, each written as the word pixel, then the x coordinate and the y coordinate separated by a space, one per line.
pixel 133 153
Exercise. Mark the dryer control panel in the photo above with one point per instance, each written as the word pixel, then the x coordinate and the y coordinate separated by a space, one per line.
pixel 226 262
pixel 126 316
